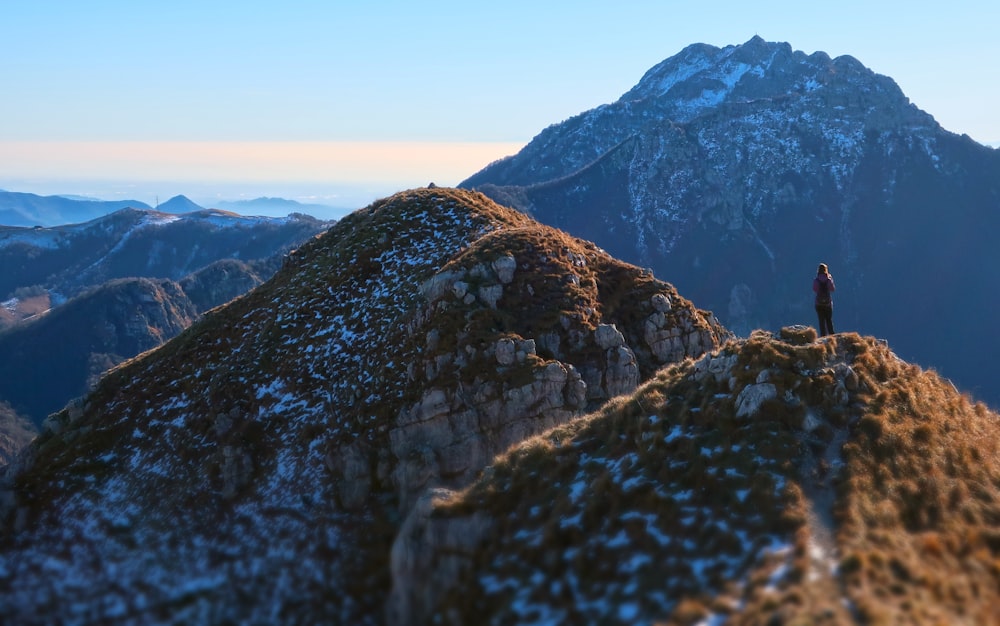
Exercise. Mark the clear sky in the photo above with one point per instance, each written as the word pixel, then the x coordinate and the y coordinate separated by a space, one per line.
pixel 342 102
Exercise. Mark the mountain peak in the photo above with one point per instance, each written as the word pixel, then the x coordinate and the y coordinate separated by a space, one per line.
pixel 702 78
pixel 179 204
pixel 723 162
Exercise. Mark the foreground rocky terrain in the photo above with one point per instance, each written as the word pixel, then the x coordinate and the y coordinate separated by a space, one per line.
pixel 777 480
pixel 257 467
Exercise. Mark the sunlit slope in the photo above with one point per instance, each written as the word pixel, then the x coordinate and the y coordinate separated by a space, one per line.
pixel 771 481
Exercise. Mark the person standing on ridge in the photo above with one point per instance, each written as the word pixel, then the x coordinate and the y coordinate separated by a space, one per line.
pixel 823 287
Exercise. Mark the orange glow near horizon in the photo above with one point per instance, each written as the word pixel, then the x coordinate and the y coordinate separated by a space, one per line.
pixel 444 163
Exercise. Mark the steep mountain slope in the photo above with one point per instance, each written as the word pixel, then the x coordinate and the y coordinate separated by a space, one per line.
pixel 256 468
pixel 283 206
pixel 773 481
pixel 53 358
pixel 735 171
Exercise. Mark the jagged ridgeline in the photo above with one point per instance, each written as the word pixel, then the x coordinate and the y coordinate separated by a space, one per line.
pixel 773 481
pixel 256 468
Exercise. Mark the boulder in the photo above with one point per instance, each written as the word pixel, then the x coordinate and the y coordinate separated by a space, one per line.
pixel 661 302
pixel 504 268
pixel 798 335
pixel 490 294
pixel 506 351
pixel 608 336
pixel 749 401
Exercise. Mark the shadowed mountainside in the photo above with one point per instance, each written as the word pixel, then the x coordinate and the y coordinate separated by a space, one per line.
pixel 58 356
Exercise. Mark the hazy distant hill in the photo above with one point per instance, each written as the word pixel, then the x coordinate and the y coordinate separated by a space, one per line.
pixel 179 205
pixel 282 206
pixel 736 170
pixel 28 209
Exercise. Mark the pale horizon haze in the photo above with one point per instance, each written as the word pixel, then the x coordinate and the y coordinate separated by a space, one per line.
pixel 341 103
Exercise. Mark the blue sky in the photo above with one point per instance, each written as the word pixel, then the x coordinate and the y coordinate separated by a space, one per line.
pixel 126 97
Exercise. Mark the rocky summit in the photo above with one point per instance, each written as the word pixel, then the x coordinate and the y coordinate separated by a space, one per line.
pixel 736 170
pixel 258 467
pixel 775 480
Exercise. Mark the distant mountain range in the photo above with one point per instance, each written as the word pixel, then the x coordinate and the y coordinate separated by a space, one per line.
pixel 282 206
pixel 735 171
pixel 27 209
pixel 129 243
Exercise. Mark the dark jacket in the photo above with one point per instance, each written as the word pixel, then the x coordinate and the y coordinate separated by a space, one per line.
pixel 821 298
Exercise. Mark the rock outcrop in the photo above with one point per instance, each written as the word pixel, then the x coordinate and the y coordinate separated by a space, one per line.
pixel 510 340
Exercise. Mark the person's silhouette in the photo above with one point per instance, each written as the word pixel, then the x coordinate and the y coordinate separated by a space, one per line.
pixel 823 287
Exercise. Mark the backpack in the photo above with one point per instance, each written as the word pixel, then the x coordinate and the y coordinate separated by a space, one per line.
pixel 823 295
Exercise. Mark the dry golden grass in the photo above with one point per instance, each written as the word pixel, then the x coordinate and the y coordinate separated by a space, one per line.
pixel 920 502
pixel 904 469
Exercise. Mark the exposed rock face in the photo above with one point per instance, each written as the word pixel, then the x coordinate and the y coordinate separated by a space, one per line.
pixel 15 433
pixel 463 417
pixel 736 170
pixel 273 450
pixel 443 549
